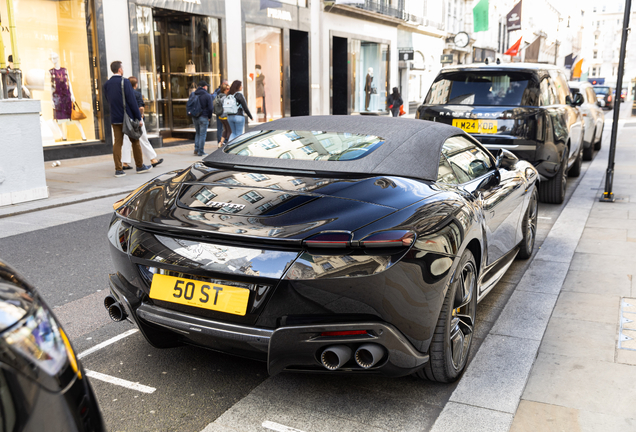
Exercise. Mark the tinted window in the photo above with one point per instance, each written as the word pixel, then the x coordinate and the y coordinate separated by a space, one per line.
pixel 601 90
pixel 467 160
pixel 304 145
pixel 484 88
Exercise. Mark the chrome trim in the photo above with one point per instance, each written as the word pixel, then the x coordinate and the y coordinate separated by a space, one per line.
pixel 185 324
pixel 510 146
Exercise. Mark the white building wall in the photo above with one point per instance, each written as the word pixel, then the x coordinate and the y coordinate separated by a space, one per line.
pixel 234 39
pixel 358 29
pixel 117 38
pixel 430 48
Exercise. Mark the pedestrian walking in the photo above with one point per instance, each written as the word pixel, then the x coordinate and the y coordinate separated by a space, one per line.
pixel 236 108
pixel 221 115
pixel 147 150
pixel 394 102
pixel 113 94
pixel 200 108
pixel 219 123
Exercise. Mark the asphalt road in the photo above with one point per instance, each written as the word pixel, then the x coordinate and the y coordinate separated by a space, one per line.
pixel 187 388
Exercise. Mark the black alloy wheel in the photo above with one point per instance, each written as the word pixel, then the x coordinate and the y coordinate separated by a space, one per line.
pixel 529 227
pixel 575 169
pixel 455 326
pixel 597 144
pixel 552 191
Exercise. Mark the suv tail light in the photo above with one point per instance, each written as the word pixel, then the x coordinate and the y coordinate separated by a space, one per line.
pixel 388 239
pixel 329 240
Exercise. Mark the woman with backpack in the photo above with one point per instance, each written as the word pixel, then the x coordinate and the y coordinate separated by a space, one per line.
pixel 394 102
pixel 220 115
pixel 235 107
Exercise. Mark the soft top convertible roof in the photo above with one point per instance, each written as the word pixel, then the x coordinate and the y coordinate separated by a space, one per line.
pixel 411 148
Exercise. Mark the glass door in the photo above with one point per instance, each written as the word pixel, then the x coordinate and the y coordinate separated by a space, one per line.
pixel 147 70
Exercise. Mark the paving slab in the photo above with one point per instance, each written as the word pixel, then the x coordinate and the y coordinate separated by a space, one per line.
pixel 544 277
pixel 534 416
pixel 576 338
pixel 607 247
pixel 497 376
pixel 600 282
pixel 460 417
pixel 617 265
pixel 575 382
pixel 525 316
pixel 588 307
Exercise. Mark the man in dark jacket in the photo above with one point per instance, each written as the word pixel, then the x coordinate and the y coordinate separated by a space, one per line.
pixel 201 122
pixel 112 92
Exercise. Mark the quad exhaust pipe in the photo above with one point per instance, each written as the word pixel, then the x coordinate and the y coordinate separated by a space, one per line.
pixel 366 356
pixel 115 310
pixel 335 356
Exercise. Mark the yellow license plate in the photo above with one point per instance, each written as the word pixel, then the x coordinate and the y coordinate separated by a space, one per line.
pixel 206 295
pixel 476 126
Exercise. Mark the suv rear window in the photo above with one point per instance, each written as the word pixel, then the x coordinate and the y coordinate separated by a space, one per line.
pixel 601 90
pixel 484 88
pixel 304 145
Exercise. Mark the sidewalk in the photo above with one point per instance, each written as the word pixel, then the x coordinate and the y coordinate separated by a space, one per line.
pixel 562 355
pixel 89 178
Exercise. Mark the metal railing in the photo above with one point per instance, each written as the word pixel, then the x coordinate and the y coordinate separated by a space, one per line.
pixel 383 8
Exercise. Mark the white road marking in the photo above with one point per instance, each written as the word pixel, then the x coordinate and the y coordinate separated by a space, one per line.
pixel 120 382
pixel 278 427
pixel 106 343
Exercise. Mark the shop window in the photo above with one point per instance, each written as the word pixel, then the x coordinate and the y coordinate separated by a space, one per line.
pixel 176 51
pixel 58 59
pixel 263 46
pixel 370 61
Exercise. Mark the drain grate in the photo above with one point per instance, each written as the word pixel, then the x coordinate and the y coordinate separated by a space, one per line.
pixel 627 332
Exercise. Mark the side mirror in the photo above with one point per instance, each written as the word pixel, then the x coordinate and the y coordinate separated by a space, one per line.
pixel 578 99
pixel 506 159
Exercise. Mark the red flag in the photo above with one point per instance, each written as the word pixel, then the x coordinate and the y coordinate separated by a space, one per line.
pixel 514 50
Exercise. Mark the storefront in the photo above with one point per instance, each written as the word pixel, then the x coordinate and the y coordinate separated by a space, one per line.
pixel 276 52
pixel 58 57
pixel 174 45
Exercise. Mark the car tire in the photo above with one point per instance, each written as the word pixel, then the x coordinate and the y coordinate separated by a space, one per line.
pixel 575 169
pixel 552 191
pixel 455 327
pixel 589 151
pixel 529 227
pixel 597 144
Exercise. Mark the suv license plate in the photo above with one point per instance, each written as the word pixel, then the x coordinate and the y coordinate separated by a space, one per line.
pixel 476 126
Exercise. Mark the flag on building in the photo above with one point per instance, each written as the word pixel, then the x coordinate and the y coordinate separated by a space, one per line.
pixel 513 19
pixel 514 50
pixel 480 16
pixel 576 70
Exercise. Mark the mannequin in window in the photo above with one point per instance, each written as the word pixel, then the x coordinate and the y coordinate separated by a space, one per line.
pixel 260 92
pixel 62 97
pixel 367 89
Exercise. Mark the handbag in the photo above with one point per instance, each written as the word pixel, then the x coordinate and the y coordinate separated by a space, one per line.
pixel 402 112
pixel 374 90
pixel 129 127
pixel 190 67
pixel 77 113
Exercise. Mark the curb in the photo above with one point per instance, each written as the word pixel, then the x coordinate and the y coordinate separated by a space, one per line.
pixel 491 388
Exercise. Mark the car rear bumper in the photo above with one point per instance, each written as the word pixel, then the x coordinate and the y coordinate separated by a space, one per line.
pixel 287 348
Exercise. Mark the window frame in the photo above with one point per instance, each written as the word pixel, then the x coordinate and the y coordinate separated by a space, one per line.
pixel 479 146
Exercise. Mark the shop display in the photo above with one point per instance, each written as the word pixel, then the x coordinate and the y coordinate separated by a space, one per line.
pixel 370 62
pixel 264 57
pixel 368 89
pixel 62 97
pixel 261 104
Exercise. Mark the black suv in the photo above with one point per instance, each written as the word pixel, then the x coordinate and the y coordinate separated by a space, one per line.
pixel 524 108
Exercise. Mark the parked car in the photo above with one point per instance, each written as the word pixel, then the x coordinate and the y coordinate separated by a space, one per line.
pixel 326 243
pixel 43 386
pixel 605 95
pixel 523 108
pixel 593 117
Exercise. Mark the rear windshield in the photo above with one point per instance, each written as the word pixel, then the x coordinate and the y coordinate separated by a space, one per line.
pixel 484 88
pixel 304 145
pixel 601 90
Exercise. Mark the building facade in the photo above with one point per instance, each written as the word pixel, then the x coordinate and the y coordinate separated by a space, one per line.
pixel 294 57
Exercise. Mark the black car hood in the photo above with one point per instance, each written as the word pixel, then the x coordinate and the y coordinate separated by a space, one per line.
pixel 272 206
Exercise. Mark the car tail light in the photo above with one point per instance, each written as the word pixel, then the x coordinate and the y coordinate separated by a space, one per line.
pixel 329 240
pixel 344 333
pixel 609 98
pixel 388 239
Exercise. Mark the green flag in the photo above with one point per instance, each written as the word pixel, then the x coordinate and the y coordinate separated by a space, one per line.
pixel 480 16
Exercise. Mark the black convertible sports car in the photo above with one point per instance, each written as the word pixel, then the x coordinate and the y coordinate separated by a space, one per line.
pixel 348 244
